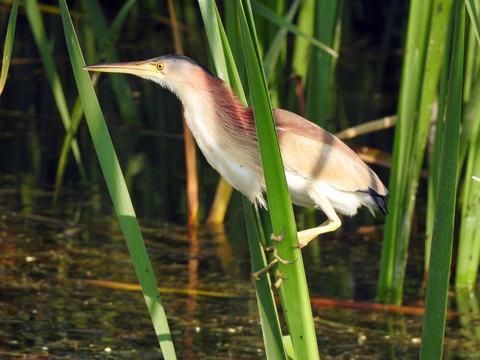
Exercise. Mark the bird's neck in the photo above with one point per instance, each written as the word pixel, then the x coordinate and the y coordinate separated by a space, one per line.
pixel 224 130
pixel 215 113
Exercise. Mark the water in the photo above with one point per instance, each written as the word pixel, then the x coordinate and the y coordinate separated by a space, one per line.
pixel 53 304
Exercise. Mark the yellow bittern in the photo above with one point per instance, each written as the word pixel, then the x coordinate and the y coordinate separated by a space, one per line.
pixel 321 171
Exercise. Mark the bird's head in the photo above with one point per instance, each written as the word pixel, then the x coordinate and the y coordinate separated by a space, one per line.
pixel 174 72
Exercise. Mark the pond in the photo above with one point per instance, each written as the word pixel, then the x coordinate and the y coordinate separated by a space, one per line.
pixel 69 290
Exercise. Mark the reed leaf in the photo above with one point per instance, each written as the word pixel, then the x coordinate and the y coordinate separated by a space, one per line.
pixel 433 64
pixel 434 163
pixel 106 39
pixel 468 256
pixel 117 188
pixel 293 292
pixel 473 13
pixel 302 47
pixel 273 52
pixel 76 119
pixel 417 29
pixel 469 237
pixel 271 329
pixel 270 15
pixel 38 29
pixel 189 141
pixel 322 65
pixel 225 65
pixel 219 46
pixel 442 242
pixel 427 28
pixel 7 50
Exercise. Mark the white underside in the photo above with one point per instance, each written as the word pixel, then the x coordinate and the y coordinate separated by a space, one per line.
pixel 305 193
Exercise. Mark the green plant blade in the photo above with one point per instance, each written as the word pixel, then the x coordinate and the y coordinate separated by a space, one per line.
pixel 301 50
pixel 468 256
pixel 293 292
pixel 427 29
pixel 473 13
pixel 442 241
pixel 106 39
pixel 271 330
pixel 7 50
pixel 76 117
pixel 220 48
pixel 322 65
pixel 117 188
pixel 409 93
pixel 273 52
pixel 38 29
pixel 265 12
pixel 225 65
pixel 434 60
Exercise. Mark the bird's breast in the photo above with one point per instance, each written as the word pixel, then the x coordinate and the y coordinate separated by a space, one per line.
pixel 236 162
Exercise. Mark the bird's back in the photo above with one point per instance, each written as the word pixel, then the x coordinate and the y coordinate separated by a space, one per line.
pixel 314 157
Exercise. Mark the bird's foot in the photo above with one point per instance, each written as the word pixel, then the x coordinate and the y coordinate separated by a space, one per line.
pixel 265 269
pixel 301 244
pixel 276 258
pixel 278 238
pixel 280 279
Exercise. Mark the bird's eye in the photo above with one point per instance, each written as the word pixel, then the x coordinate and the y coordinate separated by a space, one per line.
pixel 160 66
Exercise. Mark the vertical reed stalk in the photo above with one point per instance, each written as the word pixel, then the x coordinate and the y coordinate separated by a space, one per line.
pixel 227 70
pixel 415 49
pixel 40 35
pixel 427 29
pixel 117 188
pixel 442 241
pixel 293 292
pixel 322 65
pixel 121 89
pixel 468 256
pixel 7 50
pixel 190 149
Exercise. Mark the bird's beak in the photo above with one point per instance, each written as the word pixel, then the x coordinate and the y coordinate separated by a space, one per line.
pixel 139 68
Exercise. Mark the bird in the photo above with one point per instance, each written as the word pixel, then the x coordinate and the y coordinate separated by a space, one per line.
pixel 321 171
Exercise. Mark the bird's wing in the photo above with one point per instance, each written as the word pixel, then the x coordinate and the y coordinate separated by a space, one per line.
pixel 314 153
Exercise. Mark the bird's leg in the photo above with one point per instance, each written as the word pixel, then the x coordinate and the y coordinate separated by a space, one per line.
pixel 332 224
pixel 276 258
pixel 305 236
pixel 276 239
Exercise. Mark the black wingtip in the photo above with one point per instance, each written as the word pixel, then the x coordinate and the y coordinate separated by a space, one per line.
pixel 380 200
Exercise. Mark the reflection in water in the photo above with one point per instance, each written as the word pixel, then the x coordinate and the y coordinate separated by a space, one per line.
pixel 192 268
pixel 47 308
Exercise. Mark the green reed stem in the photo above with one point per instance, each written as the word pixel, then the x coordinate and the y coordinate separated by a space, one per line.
pixel 117 188
pixel 322 64
pixel 293 292
pixel 7 50
pixel 468 256
pixel 442 241
pixel 428 24
pixel 227 70
pixel 38 29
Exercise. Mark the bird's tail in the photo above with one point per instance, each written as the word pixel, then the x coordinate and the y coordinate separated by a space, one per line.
pixel 380 200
